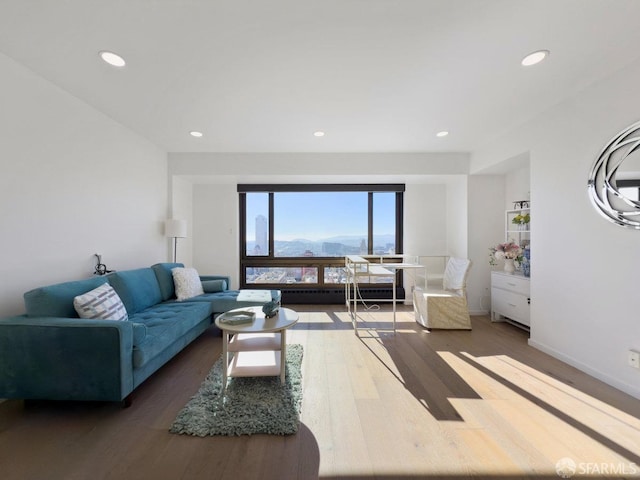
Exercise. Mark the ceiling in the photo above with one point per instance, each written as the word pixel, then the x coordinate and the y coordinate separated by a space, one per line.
pixel 375 75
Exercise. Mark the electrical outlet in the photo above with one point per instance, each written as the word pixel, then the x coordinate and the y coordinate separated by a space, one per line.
pixel 634 358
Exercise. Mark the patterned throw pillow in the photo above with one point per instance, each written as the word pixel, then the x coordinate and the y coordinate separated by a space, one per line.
pixel 102 302
pixel 187 282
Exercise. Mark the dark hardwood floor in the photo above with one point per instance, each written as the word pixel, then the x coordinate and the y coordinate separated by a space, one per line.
pixel 417 404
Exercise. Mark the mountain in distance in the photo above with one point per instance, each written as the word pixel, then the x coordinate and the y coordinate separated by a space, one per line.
pixel 353 240
pixel 356 239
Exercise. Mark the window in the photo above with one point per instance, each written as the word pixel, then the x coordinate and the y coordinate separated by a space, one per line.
pixel 298 235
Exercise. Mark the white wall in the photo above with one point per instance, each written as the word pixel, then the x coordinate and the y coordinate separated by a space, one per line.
pixel 457 235
pixel 425 219
pixel 72 183
pixel 486 229
pixel 388 167
pixel 216 247
pixel 517 185
pixel 584 268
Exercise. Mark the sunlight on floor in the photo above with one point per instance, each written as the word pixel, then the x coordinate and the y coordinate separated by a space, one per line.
pixel 560 420
pixel 421 403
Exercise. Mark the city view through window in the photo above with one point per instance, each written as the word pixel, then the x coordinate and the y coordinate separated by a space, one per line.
pixel 319 225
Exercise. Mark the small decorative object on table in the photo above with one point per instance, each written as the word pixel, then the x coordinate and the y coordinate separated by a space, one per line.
pixel 508 252
pixel 270 309
pixel 238 317
pixel 526 262
pixel 509 265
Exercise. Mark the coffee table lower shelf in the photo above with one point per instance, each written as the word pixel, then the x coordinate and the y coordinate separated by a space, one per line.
pixel 255 364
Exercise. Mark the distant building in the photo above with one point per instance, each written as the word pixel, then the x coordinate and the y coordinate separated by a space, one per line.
pixel 262 236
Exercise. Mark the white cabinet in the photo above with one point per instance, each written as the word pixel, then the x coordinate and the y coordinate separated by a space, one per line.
pixel 510 298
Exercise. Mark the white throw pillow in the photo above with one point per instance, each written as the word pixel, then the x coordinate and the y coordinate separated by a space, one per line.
pixel 187 282
pixel 102 302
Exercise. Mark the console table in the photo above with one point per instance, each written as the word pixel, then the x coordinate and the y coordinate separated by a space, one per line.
pixel 358 267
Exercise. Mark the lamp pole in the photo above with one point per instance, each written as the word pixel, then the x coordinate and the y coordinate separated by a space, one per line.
pixel 175 229
pixel 175 248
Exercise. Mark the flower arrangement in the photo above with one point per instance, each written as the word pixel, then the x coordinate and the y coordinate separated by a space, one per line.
pixel 501 251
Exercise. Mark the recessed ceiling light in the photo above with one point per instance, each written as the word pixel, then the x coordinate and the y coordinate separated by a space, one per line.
pixel 112 59
pixel 195 134
pixel 535 57
pixel 442 134
pixel 319 133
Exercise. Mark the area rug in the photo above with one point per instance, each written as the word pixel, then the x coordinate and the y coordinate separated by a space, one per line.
pixel 250 406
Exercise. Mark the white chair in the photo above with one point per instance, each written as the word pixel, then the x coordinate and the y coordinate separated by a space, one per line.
pixel 445 308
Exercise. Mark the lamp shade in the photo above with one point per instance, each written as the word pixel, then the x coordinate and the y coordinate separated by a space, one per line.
pixel 175 228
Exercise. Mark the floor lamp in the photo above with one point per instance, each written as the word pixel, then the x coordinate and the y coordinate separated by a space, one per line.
pixel 175 229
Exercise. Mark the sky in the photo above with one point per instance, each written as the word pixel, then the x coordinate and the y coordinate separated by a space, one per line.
pixel 320 215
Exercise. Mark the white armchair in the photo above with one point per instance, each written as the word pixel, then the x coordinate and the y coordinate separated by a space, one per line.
pixel 445 308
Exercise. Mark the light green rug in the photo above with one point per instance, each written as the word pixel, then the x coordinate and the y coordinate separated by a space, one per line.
pixel 251 405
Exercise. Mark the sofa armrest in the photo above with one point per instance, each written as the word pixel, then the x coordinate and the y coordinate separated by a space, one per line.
pixel 204 278
pixel 57 358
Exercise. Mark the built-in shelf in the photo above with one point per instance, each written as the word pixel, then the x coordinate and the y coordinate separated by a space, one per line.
pixel 510 292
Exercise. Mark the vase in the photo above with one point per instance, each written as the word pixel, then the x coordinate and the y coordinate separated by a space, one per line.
pixel 526 267
pixel 509 265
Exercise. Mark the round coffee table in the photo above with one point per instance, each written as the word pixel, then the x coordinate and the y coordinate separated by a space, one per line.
pixel 259 346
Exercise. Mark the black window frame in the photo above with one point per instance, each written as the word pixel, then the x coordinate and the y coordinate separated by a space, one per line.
pixel 270 260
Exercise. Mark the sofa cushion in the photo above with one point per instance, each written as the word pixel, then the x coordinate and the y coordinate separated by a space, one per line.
pixel 213 286
pixel 165 323
pixel 57 300
pixel 102 303
pixel 165 278
pixel 187 283
pixel 138 288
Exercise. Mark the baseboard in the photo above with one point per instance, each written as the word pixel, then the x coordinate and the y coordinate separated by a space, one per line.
pixel 614 382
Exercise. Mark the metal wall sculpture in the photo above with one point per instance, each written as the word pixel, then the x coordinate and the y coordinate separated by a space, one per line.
pixel 614 181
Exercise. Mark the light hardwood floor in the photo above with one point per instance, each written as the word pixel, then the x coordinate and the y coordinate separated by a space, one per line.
pixel 439 405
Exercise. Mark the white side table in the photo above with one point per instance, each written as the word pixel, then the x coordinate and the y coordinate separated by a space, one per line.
pixel 259 347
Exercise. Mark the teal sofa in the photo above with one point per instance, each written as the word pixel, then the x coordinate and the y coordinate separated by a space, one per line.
pixel 50 353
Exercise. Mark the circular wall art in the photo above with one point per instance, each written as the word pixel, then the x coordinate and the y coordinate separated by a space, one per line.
pixel 614 181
